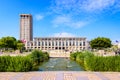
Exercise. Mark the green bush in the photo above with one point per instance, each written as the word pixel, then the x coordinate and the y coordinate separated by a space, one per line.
pixel 39 56
pixel 15 64
pixel 22 63
pixel 46 56
pixel 98 63
pixel 74 55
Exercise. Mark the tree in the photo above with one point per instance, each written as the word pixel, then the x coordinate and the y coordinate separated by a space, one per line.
pixel 8 42
pixel 20 45
pixel 100 43
pixel 11 42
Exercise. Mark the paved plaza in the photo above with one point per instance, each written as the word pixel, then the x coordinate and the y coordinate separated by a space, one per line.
pixel 60 75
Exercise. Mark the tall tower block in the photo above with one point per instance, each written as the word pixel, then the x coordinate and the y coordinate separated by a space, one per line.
pixel 26 29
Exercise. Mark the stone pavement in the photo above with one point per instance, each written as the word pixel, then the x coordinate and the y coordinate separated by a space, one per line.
pixel 60 75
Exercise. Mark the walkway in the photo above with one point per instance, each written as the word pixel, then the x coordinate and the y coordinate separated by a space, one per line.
pixel 60 75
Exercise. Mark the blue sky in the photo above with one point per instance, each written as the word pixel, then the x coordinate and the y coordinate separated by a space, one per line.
pixel 81 18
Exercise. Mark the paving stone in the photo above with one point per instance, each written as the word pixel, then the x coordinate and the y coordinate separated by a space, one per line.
pixel 16 77
pixel 36 78
pixel 101 76
pixel 82 78
pixel 60 75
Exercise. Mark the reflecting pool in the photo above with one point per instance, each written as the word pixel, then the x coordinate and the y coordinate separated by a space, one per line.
pixel 60 64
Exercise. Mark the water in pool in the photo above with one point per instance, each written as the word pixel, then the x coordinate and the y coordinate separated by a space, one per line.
pixel 60 64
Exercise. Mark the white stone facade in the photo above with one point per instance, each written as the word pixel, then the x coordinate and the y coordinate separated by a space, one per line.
pixel 70 44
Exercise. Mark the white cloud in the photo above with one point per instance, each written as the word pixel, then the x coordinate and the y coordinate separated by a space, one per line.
pixel 59 6
pixel 78 6
pixel 93 5
pixel 39 17
pixel 65 21
pixel 78 24
pixel 61 20
pixel 80 9
pixel 117 5
pixel 63 34
pixel 81 12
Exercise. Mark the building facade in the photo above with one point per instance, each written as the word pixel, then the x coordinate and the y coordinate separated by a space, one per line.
pixel 26 30
pixel 70 44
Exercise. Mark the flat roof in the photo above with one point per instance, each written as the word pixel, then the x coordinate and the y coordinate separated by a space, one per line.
pixel 58 37
pixel 25 14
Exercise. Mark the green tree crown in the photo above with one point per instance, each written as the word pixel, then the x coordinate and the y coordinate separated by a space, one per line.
pixel 100 43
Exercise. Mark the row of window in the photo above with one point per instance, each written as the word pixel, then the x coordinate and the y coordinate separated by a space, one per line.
pixel 56 48
pixel 57 44
pixel 60 39
pixel 24 16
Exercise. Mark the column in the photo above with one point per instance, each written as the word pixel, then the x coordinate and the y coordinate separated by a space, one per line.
pixel 37 44
pixel 68 44
pixel 54 44
pixel 82 44
pixel 47 44
pixel 75 45
pixel 44 44
pixel 58 44
pixel 51 43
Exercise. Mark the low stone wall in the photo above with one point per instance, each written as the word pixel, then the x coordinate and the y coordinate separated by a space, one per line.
pixel 104 53
pixel 14 54
pixel 57 53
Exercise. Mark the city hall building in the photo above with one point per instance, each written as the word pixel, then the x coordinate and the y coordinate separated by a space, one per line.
pixel 69 44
